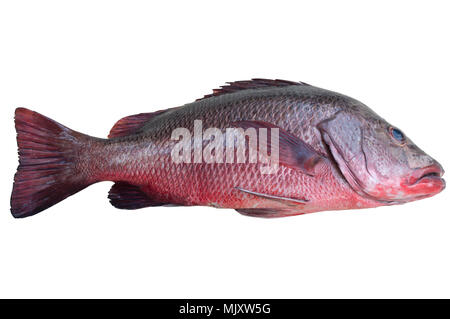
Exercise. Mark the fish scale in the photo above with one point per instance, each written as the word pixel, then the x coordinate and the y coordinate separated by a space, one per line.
pixel 335 153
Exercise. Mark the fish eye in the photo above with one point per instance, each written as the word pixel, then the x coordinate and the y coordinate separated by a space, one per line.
pixel 397 135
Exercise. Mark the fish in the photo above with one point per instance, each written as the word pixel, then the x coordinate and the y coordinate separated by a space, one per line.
pixel 328 151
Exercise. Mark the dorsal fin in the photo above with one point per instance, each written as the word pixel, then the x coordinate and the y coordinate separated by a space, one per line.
pixel 231 87
pixel 130 124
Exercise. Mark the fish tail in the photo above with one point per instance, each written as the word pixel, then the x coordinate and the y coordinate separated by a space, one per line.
pixel 50 167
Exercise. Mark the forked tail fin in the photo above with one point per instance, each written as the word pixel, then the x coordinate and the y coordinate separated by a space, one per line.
pixel 49 163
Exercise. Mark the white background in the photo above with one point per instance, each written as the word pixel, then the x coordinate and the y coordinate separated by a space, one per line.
pixel 88 63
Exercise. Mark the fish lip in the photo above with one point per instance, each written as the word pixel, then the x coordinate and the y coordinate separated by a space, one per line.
pixel 432 173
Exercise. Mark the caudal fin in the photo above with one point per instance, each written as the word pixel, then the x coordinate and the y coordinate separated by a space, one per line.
pixel 48 158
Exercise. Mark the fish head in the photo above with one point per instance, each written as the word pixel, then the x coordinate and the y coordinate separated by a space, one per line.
pixel 378 160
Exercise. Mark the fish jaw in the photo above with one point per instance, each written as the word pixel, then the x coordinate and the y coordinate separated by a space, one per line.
pixel 421 183
pixel 425 182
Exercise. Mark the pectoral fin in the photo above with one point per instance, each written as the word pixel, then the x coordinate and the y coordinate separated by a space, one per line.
pixel 293 152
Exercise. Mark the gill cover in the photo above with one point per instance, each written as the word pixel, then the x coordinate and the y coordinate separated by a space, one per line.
pixel 344 135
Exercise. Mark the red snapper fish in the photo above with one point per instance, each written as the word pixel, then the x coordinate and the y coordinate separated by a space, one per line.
pixel 330 152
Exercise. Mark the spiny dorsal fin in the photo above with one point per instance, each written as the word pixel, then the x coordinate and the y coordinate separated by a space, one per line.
pixel 250 84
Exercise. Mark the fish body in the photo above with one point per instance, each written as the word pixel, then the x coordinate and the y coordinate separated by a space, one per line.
pixel 334 153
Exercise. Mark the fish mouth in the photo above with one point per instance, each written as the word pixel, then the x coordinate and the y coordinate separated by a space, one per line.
pixel 430 174
pixel 427 181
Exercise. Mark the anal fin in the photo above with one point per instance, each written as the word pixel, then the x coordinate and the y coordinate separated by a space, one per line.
pixel 126 196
